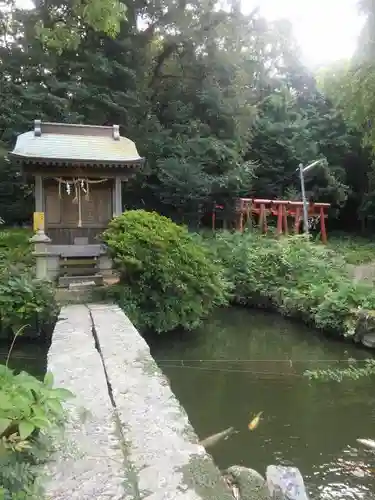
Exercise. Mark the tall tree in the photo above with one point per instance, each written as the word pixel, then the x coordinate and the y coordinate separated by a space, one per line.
pixel 217 101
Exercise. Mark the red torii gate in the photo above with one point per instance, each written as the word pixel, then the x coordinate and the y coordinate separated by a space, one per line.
pixel 246 208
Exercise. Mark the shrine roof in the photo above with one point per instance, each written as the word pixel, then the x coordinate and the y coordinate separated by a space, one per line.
pixel 61 143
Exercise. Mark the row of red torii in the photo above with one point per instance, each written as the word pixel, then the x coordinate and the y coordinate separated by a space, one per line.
pixel 247 208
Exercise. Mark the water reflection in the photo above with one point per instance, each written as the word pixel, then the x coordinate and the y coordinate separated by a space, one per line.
pixel 243 362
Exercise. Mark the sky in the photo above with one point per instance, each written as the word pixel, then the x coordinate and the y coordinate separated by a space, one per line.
pixel 326 30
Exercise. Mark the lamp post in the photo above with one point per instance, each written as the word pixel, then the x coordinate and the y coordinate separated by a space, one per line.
pixel 302 171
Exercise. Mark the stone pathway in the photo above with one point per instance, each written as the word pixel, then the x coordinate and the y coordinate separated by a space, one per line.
pixel 90 462
pixel 127 436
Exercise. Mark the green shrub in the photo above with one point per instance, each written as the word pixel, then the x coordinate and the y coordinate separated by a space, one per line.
pixel 29 408
pixel 25 300
pixel 15 248
pixel 27 405
pixel 294 276
pixel 168 278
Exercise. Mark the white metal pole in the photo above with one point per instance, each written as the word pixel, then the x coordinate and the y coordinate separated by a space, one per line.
pixel 305 218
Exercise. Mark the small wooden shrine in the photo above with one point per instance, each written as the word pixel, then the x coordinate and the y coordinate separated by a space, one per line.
pixel 78 172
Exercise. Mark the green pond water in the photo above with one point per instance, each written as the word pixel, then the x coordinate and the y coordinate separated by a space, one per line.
pixel 30 357
pixel 242 362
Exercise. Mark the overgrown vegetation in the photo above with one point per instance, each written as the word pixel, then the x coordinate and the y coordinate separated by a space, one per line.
pixel 29 410
pixel 24 300
pixel 353 248
pixel 170 278
pixel 295 276
pixel 167 278
pixel 15 248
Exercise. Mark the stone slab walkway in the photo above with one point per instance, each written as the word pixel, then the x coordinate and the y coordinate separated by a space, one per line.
pixel 127 435
pixel 90 463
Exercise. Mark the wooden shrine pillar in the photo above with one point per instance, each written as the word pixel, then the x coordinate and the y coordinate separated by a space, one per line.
pixel 322 207
pixel 262 207
pixel 296 211
pixel 39 194
pixel 117 197
pixel 243 212
pixel 279 208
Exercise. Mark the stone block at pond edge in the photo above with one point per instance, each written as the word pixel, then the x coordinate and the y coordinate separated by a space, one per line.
pixel 364 331
pixel 251 484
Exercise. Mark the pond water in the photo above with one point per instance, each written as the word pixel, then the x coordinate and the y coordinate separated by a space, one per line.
pixel 244 361
pixel 30 357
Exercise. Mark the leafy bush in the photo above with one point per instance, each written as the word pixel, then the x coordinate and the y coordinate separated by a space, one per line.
pixel 294 276
pixel 15 249
pixel 27 405
pixel 29 408
pixel 168 279
pixel 25 300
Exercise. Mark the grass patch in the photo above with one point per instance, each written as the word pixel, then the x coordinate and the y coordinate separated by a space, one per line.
pixel 355 250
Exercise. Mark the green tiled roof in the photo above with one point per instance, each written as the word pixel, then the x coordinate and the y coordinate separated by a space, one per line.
pixel 58 142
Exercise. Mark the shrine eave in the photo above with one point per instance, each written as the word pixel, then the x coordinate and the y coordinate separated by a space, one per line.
pixel 64 144
pixel 26 161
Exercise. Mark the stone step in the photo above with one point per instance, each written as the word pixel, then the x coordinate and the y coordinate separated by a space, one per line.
pixel 83 281
pixel 68 262
pixel 82 285
pixel 65 296
pixel 79 271
pixel 81 295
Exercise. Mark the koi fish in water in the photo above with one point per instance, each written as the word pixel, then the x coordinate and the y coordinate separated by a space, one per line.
pixel 253 424
pixel 368 443
pixel 215 438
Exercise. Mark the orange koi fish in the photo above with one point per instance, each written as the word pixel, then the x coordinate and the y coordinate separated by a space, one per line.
pixel 253 424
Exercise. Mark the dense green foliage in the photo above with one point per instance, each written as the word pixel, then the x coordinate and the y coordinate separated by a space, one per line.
pixel 170 278
pixel 216 100
pixel 296 277
pixel 167 278
pixel 27 405
pixel 29 410
pixel 24 301
pixel 15 248
pixel 349 86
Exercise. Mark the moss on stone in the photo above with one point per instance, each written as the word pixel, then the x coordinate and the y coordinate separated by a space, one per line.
pixel 201 475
